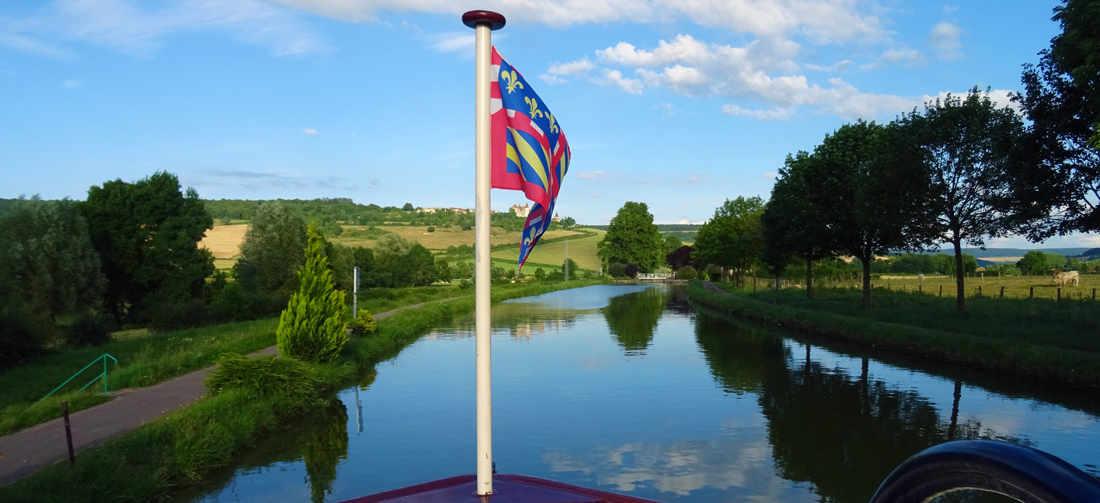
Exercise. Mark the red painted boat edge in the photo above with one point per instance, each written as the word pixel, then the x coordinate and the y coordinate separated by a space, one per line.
pixel 464 479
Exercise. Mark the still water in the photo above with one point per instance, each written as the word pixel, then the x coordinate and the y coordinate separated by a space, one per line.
pixel 628 389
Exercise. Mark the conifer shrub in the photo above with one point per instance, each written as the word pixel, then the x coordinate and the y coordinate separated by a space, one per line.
pixel 313 327
pixel 364 324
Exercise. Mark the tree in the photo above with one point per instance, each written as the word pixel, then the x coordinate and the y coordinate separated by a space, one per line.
pixel 734 237
pixel 147 234
pixel 869 188
pixel 47 260
pixel 967 146
pixel 313 327
pixel 1037 263
pixel 680 257
pixel 568 223
pixel 407 207
pixel 1059 192
pixel 569 268
pixel 791 221
pixel 273 249
pixel 632 238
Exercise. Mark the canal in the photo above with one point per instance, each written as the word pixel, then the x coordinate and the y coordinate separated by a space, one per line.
pixel 629 389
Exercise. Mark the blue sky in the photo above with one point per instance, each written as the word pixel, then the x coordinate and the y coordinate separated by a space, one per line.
pixel 678 104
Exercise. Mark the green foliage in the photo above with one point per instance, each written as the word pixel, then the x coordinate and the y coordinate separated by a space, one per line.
pixel 686 272
pixel 47 260
pixel 1037 263
pixel 967 146
pixel 363 324
pixel 571 266
pixel 734 236
pixel 632 318
pixel 313 326
pixel 568 223
pixel 146 234
pixel 290 382
pixel 1061 98
pixel 431 228
pixel 22 334
pixel 540 274
pixel 632 238
pixel 443 270
pixel 273 249
pixel 399 262
pixel 89 329
pixel 672 243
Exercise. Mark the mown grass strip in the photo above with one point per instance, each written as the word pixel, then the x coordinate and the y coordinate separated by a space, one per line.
pixel 1060 365
pixel 158 460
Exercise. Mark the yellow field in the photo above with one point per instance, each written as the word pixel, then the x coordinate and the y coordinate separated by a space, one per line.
pixel 441 239
pixel 1017 287
pixel 581 250
pixel 224 241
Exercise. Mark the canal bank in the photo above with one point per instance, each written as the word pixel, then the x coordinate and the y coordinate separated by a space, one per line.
pixel 180 449
pixel 1043 363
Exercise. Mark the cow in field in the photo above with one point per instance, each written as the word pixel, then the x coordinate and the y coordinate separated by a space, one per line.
pixel 1063 278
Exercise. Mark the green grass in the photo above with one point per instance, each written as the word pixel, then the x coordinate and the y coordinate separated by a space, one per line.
pixel 143 360
pixel 1041 339
pixel 251 400
pixel 1015 287
pixel 552 252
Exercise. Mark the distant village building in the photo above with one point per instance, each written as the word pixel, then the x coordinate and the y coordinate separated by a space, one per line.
pixel 453 210
pixel 521 210
pixel 556 218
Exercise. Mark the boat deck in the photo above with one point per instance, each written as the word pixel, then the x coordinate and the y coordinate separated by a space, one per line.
pixel 506 489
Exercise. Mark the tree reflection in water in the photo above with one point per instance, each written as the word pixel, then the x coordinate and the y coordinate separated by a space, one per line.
pixel 632 318
pixel 840 432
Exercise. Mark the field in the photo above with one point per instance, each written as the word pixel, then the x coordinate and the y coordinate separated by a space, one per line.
pixel 581 250
pixel 224 242
pixel 1015 287
pixel 440 239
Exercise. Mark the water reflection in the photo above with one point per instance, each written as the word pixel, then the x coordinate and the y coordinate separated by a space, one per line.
pixel 841 432
pixel 632 318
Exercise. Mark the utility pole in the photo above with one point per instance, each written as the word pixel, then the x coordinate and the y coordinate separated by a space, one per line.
pixel 355 292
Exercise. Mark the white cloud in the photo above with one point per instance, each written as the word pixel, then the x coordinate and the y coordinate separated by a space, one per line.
pixel 616 78
pixel 310 132
pixel 559 72
pixel 946 39
pixel 140 28
pixel 775 113
pixel 839 66
pixel 462 41
pixel 12 38
pixel 823 21
pixel 900 55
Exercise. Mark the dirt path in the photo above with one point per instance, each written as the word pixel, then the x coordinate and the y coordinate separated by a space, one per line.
pixel 24 452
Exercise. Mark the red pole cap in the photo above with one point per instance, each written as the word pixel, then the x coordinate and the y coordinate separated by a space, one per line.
pixel 494 20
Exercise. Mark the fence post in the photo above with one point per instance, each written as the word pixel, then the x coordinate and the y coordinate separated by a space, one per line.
pixel 1002 292
pixel 920 288
pixel 1031 292
pixel 68 432
pixel 979 290
pixel 941 292
pixel 1059 294
pixel 1093 294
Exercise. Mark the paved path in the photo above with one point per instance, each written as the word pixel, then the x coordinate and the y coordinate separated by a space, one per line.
pixel 24 452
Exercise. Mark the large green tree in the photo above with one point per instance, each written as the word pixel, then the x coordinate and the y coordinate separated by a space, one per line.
pixel 968 145
pixel 869 189
pixel 48 261
pixel 313 326
pixel 147 235
pixel 273 249
pixel 734 237
pixel 1059 191
pixel 791 221
pixel 632 238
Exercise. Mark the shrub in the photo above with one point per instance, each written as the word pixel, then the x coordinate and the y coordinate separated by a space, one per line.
pixel 364 324
pixel 284 379
pixel 169 315
pixel 465 284
pixel 21 335
pixel 540 274
pixel 313 326
pixel 89 329
pixel 431 228
pixel 631 271
pixel 617 270
pixel 686 272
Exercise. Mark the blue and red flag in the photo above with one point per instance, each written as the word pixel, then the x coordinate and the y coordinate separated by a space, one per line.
pixel 529 149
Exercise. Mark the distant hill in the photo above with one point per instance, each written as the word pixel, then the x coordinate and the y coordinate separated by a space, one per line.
pixel 1091 254
pixel 686 232
pixel 1018 252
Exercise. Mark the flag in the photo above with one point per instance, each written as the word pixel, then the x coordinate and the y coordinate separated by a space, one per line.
pixel 529 151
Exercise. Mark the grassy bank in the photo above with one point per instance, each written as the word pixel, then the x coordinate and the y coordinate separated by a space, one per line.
pixel 148 358
pixel 164 457
pixel 1033 342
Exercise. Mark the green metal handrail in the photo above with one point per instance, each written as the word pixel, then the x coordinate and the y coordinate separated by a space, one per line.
pixel 102 375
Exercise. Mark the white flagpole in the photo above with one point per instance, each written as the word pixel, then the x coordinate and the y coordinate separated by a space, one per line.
pixel 483 22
